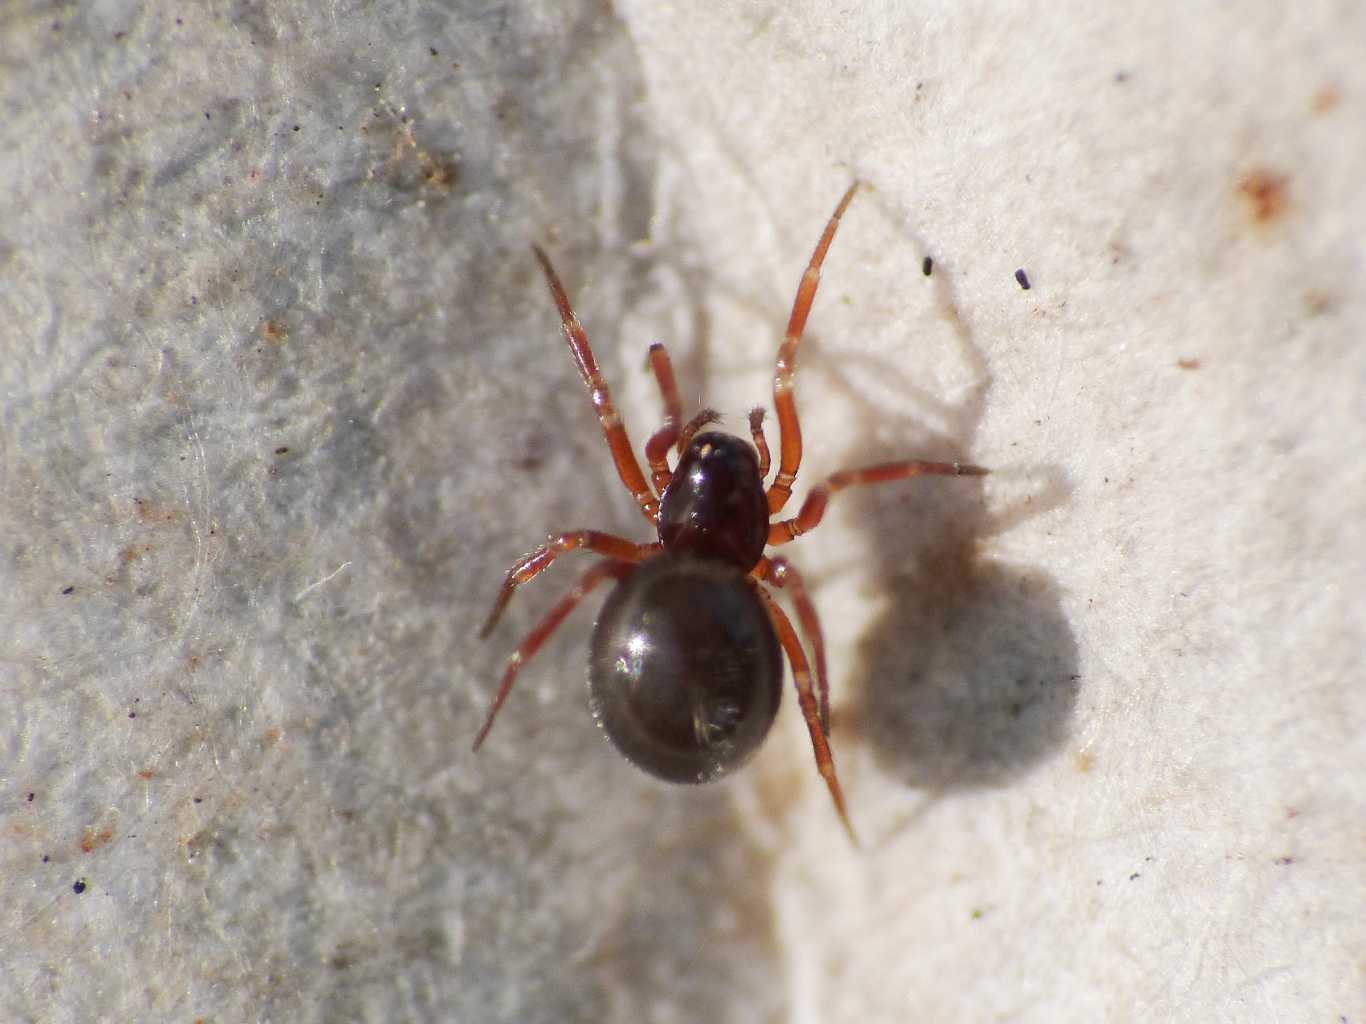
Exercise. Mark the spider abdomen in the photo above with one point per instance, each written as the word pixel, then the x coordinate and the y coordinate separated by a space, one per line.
pixel 685 674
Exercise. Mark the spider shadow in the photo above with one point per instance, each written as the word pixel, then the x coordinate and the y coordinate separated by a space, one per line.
pixel 967 676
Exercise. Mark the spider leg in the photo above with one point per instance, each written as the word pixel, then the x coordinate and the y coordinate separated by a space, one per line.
pixel 528 567
pixel 784 575
pixel 612 429
pixel 607 569
pixel 813 508
pixel 801 675
pixel 789 432
pixel 756 431
pixel 657 447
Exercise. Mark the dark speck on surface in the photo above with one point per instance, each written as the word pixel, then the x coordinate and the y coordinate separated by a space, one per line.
pixel 927 266
pixel 1022 278
pixel 79 886
pixel 67 590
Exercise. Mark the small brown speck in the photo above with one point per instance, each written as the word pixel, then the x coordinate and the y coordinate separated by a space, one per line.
pixel 1188 364
pixel 92 839
pixel 1327 97
pixel 282 450
pixel 132 552
pixel 1318 302
pixel 1265 192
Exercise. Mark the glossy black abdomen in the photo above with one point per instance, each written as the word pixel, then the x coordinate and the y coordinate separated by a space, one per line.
pixel 685 672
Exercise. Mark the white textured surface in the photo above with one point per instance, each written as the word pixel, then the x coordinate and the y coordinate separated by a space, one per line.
pixel 1100 721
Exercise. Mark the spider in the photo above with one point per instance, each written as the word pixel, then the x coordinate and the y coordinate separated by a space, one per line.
pixel 686 659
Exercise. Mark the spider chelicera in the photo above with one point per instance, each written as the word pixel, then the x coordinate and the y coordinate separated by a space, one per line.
pixel 685 672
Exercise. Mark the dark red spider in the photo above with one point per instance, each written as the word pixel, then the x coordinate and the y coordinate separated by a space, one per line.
pixel 685 673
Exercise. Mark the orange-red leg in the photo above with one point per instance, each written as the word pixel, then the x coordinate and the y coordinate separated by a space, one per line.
pixel 784 575
pixel 657 447
pixel 538 636
pixel 789 433
pixel 801 675
pixel 756 431
pixel 612 429
pixel 530 566
pixel 813 508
